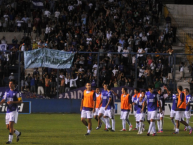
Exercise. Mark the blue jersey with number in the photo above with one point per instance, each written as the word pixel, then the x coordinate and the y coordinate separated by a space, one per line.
pixel 139 105
pixel 11 96
pixel 188 99
pixel 174 102
pixel 151 99
pixel 105 98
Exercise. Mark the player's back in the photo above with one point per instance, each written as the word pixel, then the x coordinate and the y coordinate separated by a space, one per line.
pixel 174 102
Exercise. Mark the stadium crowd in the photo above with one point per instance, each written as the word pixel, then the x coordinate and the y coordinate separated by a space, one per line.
pixel 92 26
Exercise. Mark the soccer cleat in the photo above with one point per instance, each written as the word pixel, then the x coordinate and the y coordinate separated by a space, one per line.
pixel 185 129
pixel 112 130
pixel 8 142
pixel 140 132
pixel 154 134
pixel 159 132
pixel 148 134
pixel 175 133
pixel 18 136
pixel 98 127
pixel 87 134
pixel 190 131
pixel 123 130
pixel 106 129
pixel 130 127
pixel 135 129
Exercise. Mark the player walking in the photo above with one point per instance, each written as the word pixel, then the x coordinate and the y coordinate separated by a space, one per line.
pixel 13 98
pixel 181 107
pixel 87 107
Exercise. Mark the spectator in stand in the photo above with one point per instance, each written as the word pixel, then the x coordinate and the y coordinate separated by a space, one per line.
pixel 14 40
pixel 40 87
pixel 62 86
pixel 33 85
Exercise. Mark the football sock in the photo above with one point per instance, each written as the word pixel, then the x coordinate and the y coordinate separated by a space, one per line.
pixel 161 124
pixel 153 127
pixel 113 124
pixel 124 123
pixel 10 137
pixel 16 132
pixel 158 125
pixel 127 120
pixel 150 127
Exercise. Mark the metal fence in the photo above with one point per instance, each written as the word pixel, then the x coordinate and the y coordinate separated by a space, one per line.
pixel 137 68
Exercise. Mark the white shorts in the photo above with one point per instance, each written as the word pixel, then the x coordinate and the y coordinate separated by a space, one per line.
pixel 179 115
pixel 152 115
pixel 159 115
pixel 172 113
pixel 102 110
pixel 110 113
pixel 187 114
pixel 96 113
pixel 86 114
pixel 140 117
pixel 162 113
pixel 12 116
pixel 124 115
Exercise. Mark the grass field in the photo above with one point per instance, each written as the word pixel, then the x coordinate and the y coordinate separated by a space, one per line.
pixel 67 129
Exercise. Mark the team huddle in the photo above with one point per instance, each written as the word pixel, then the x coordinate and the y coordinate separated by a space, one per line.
pixel 100 105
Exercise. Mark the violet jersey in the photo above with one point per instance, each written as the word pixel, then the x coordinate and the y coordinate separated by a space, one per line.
pixel 105 98
pixel 11 96
pixel 151 99
pixel 139 105
pixel 174 102
pixel 188 100
pixel 133 100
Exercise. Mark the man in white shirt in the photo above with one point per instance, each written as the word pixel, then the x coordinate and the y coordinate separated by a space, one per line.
pixel 47 13
pixel 109 34
pixel 70 7
pixel 181 68
pixel 56 14
pixel 73 83
pixel 120 48
pixel 115 71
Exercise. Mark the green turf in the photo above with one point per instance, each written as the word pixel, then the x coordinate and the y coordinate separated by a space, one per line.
pixel 67 129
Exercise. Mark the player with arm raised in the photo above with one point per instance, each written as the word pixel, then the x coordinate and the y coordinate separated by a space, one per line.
pixel 181 107
pixel 13 98
pixel 87 107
